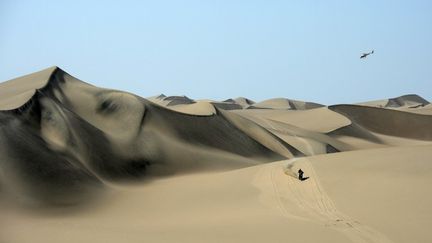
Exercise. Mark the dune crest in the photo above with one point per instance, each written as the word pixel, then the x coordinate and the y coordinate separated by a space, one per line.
pixel 102 165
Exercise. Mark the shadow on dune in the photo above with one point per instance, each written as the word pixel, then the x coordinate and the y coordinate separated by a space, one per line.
pixel 63 141
pixel 388 122
pixel 60 146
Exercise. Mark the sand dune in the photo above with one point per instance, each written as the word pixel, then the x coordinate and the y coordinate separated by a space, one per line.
pixel 407 100
pixel 389 122
pixel 260 203
pixel 391 192
pixel 287 104
pixel 15 93
pixel 79 163
pixel 171 100
pixel 227 106
pixel 243 102
pixel 404 102
pixel 98 134
pixel 320 120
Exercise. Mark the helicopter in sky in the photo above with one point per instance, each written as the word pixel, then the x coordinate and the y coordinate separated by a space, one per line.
pixel 364 55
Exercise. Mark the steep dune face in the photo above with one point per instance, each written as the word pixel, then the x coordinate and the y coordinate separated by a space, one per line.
pixel 304 130
pixel 407 100
pixel 100 165
pixel 70 133
pixel 388 122
pixel 16 92
pixel 62 138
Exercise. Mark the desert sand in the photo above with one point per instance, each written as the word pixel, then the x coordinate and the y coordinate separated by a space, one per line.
pixel 80 163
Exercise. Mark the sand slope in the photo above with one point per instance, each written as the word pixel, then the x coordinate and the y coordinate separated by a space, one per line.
pixel 96 134
pixel 261 203
pixel 386 189
pixel 79 163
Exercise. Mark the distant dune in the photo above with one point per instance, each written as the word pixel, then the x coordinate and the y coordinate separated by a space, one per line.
pixel 411 100
pixel 79 163
pixel 285 104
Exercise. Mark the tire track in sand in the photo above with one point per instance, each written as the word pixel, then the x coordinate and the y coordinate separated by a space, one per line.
pixel 314 204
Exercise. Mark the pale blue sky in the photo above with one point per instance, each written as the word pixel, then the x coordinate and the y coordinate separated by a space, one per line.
pixel 307 50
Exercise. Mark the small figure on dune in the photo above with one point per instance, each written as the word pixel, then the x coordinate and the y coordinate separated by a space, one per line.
pixel 364 55
pixel 300 172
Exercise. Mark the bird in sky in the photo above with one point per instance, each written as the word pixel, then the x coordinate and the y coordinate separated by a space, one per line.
pixel 364 55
